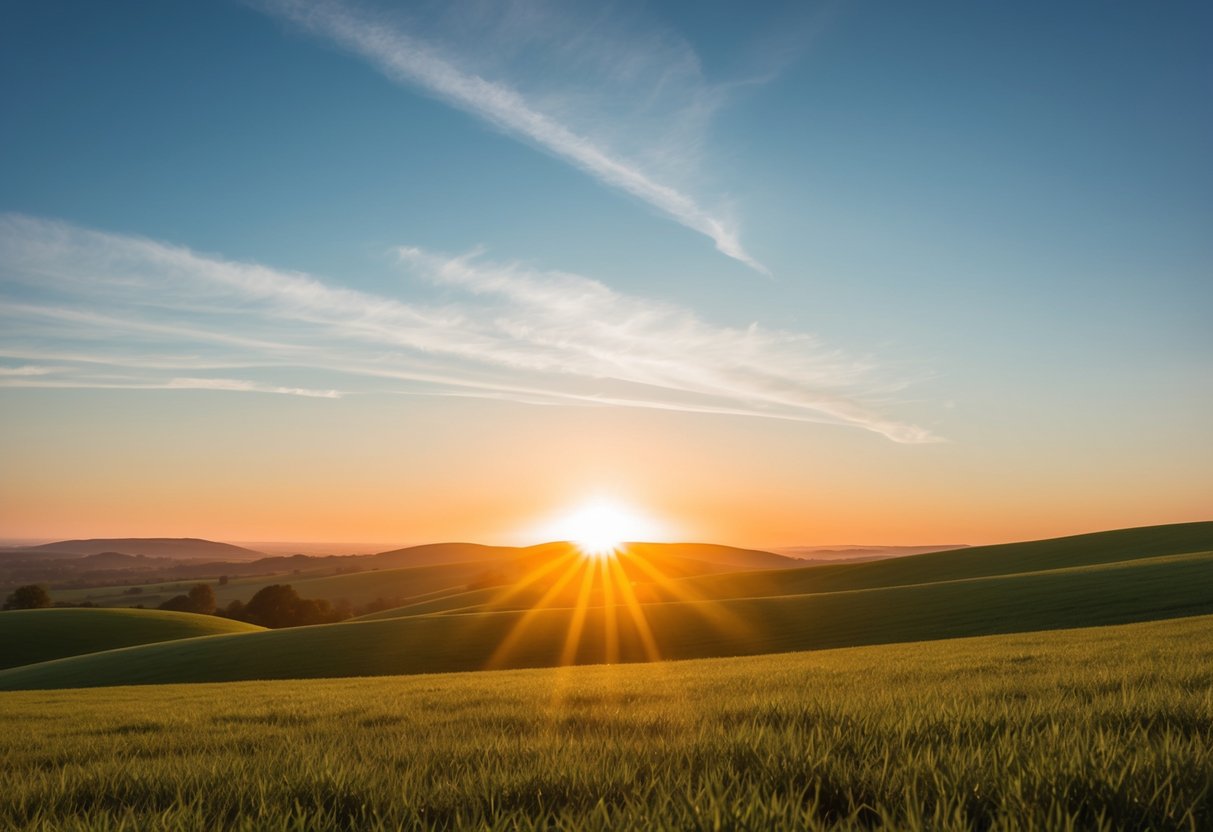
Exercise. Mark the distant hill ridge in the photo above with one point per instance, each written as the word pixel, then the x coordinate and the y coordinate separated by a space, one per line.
pixel 435 554
pixel 163 547
pixel 854 552
pixel 429 554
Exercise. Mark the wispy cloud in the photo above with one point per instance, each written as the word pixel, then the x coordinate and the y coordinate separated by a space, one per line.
pixel 118 311
pixel 25 371
pixel 118 383
pixel 408 59
pixel 243 385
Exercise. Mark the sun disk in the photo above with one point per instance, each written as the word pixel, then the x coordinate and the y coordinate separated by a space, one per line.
pixel 600 528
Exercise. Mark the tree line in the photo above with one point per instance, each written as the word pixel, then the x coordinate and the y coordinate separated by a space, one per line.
pixel 274 606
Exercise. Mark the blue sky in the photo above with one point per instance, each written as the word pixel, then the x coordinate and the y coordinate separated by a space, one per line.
pixel 941 225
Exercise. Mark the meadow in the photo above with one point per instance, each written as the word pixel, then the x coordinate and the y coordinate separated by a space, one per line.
pixel 1098 728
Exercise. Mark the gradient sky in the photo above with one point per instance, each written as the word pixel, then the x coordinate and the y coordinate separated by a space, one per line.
pixel 837 273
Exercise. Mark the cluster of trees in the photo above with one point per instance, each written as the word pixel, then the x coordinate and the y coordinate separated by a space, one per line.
pixel 200 599
pixel 31 597
pixel 275 606
pixel 279 605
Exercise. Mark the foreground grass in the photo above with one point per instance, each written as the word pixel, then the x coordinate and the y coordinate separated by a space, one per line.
pixel 28 636
pixel 1102 728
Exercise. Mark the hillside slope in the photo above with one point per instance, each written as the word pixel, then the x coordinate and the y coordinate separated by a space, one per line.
pixel 1040 555
pixel 956 564
pixel 29 636
pixel 1150 588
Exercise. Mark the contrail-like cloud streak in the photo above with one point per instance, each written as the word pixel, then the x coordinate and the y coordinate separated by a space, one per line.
pixel 411 61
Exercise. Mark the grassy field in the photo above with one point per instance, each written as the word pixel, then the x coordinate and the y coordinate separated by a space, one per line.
pixel 28 636
pixel 1100 728
pixel 1150 588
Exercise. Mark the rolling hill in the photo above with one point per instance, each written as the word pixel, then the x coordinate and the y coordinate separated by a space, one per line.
pixel 852 552
pixel 1110 593
pixel 955 564
pixel 451 553
pixel 162 547
pixel 1041 555
pixel 29 636
pixel 362 581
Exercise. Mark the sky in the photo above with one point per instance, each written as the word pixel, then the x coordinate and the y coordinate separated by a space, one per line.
pixel 798 274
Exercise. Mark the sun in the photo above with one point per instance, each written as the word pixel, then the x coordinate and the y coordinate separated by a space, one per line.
pixel 599 528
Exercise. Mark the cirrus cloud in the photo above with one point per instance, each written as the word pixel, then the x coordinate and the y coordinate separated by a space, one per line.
pixel 112 310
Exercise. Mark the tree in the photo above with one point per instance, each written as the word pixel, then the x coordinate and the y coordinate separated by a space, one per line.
pixel 178 603
pixel 223 580
pixel 202 598
pixel 30 597
pixel 279 605
pixel 273 606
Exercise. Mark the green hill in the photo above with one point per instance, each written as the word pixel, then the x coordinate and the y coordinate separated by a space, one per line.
pixel 985 561
pixel 535 583
pixel 1148 588
pixel 29 636
pixel 974 562
pixel 451 602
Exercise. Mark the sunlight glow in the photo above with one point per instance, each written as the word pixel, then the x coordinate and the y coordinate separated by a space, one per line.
pixel 588 603
pixel 601 527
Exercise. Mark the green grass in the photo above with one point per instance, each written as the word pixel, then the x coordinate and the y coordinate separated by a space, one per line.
pixel 1100 729
pixel 28 636
pixel 1151 588
pixel 468 600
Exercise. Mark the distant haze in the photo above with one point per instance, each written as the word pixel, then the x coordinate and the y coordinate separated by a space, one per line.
pixel 859 551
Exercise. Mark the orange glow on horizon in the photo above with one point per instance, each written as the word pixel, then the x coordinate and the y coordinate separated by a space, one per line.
pixel 600 527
